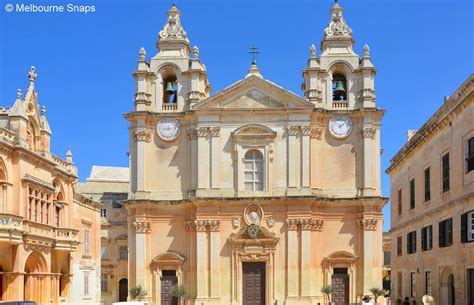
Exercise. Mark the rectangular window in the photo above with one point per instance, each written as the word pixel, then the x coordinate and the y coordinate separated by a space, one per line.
pixel 400 202
pixel 412 194
pixel 399 246
pixel 467 227
pixel 413 284
pixel 470 156
pixel 445 166
pixel 428 282
pixel 386 258
pixel 123 252
pixel 470 286
pixel 103 283
pixel 86 242
pixel 86 284
pixel 103 213
pixel 411 242
pixel 446 233
pixel 427 238
pixel 427 184
pixel 103 252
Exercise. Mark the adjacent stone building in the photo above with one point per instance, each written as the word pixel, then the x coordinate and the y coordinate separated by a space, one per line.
pixel 432 206
pixel 110 187
pixel 254 194
pixel 49 234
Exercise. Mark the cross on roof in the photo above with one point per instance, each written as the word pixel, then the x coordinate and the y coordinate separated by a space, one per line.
pixel 253 52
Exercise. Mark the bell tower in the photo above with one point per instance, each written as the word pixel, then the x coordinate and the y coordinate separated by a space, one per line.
pixel 339 79
pixel 173 79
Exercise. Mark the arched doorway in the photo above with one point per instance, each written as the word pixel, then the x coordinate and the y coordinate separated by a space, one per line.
pixel 447 287
pixel 451 290
pixel 123 290
pixel 34 280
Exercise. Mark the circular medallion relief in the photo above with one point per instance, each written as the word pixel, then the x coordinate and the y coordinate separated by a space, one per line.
pixel 340 126
pixel 168 128
pixel 253 214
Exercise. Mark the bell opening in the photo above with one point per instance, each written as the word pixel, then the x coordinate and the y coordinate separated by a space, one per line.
pixel 170 90
pixel 339 91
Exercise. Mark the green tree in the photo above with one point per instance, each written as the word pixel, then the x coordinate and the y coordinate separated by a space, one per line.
pixel 137 293
pixel 328 290
pixel 179 292
pixel 377 292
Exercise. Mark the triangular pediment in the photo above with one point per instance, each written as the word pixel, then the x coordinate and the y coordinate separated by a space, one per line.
pixel 253 93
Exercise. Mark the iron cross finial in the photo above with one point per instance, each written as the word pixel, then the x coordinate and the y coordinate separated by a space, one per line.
pixel 253 52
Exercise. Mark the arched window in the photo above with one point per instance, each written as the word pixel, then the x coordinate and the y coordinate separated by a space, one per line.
pixel 339 87
pixel 170 90
pixel 253 170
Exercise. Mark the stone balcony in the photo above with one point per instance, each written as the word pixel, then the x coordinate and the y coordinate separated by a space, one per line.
pixel 11 229
pixel 66 239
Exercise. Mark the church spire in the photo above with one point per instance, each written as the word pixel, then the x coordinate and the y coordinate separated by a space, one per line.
pixel 337 33
pixel 173 28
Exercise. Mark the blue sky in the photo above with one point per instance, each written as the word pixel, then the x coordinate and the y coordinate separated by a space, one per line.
pixel 423 50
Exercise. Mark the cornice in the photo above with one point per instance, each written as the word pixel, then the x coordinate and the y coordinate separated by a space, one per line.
pixel 458 101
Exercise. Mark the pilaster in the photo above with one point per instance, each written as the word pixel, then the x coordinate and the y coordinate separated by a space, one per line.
pixel 368 227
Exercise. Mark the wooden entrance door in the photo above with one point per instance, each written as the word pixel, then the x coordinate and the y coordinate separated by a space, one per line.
pixel 168 281
pixel 253 285
pixel 340 283
pixel 123 290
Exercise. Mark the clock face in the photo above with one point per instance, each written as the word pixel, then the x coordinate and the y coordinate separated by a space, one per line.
pixel 168 128
pixel 340 126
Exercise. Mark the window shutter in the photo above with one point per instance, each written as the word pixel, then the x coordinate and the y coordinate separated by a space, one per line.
pixel 423 239
pixel 449 232
pixel 430 237
pixel 414 241
pixel 441 234
pixel 408 243
pixel 463 227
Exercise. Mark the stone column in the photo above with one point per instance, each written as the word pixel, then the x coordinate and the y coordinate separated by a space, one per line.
pixel 292 254
pixel 305 156
pixel 142 228
pixel 368 134
pixel 316 134
pixel 192 134
pixel 305 270
pixel 215 266
pixel 292 174
pixel 214 157
pixel 201 261
pixel 203 158
pixel 142 135
pixel 368 226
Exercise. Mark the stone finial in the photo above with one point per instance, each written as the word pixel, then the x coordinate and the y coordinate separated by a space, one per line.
pixel 43 110
pixel 142 54
pixel 173 28
pixel 195 52
pixel 18 94
pixel 337 25
pixel 366 50
pixel 312 50
pixel 69 154
pixel 254 70
pixel 32 75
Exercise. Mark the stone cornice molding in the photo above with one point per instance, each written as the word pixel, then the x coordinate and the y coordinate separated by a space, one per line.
pixel 200 225
pixel 143 135
pixel 457 102
pixel 142 226
pixel 306 223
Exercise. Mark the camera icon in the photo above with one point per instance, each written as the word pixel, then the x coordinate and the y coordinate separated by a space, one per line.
pixel 9 7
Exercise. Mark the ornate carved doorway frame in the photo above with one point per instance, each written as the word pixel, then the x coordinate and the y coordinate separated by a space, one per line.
pixel 246 249
pixel 342 259
pixel 166 261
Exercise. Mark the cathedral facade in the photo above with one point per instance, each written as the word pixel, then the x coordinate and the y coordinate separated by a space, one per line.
pixel 255 195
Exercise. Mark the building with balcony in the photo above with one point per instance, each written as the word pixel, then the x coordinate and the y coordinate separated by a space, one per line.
pixel 49 241
pixel 432 206
pixel 110 187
